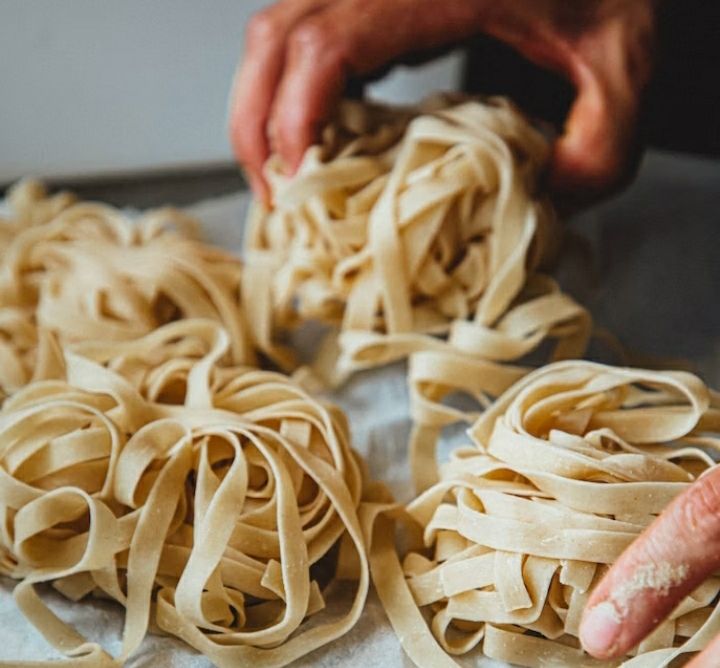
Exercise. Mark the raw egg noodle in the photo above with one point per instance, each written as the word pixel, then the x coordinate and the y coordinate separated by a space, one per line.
pixel 85 271
pixel 144 459
pixel 396 240
pixel 212 518
pixel 566 469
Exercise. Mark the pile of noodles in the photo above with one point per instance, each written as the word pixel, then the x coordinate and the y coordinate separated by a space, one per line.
pixel 423 245
pixel 567 468
pixel 207 500
pixel 143 458
pixel 85 271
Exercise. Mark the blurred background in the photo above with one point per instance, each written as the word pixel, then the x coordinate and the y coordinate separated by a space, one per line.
pixel 94 88
pixel 100 88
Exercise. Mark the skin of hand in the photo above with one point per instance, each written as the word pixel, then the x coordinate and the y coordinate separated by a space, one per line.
pixel 681 548
pixel 300 54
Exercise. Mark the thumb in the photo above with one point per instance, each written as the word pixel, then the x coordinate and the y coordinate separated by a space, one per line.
pixel 610 67
pixel 679 550
pixel 598 150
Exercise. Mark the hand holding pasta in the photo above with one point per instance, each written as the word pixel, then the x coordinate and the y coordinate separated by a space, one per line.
pixel 406 221
pixel 683 542
pixel 300 53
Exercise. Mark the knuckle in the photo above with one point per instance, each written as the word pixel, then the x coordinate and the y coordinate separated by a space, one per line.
pixel 654 553
pixel 263 26
pixel 601 174
pixel 315 37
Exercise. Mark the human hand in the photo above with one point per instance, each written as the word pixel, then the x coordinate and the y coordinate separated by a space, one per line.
pixel 300 54
pixel 665 564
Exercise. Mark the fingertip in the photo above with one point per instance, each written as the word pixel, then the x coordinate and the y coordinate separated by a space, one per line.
pixel 311 86
pixel 292 157
pixel 293 133
pixel 250 147
pixel 586 168
pixel 663 565
pixel 594 155
pixel 252 164
pixel 260 188
pixel 600 629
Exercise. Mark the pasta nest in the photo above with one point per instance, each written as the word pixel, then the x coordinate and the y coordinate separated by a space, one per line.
pixel 207 501
pixel 391 234
pixel 85 271
pixel 568 467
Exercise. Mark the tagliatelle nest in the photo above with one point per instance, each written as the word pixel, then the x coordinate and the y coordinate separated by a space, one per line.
pixel 85 271
pixel 391 236
pixel 424 244
pixel 569 466
pixel 212 517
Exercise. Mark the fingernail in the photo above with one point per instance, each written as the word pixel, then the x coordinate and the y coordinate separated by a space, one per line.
pixel 600 629
pixel 290 167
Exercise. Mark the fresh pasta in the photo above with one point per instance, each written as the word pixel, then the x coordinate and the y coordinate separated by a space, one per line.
pixel 395 238
pixel 205 499
pixel 567 468
pixel 144 459
pixel 85 271
pixel 425 246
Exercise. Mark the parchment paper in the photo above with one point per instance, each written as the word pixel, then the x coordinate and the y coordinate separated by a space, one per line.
pixel 653 278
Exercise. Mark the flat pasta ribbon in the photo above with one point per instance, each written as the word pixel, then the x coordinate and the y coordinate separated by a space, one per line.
pixel 400 237
pixel 207 500
pixel 85 271
pixel 568 467
pixel 423 245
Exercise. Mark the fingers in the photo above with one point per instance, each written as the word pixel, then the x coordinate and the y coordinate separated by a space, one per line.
pixel 312 83
pixel 666 563
pixel 597 150
pixel 610 66
pixel 707 658
pixel 354 38
pixel 301 52
pixel 256 82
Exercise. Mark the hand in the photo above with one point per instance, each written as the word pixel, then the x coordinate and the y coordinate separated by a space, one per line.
pixel 676 554
pixel 300 54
